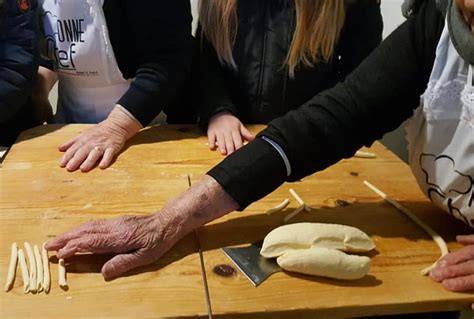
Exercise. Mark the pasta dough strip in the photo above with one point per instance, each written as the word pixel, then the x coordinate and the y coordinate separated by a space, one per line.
pixel 46 273
pixel 24 271
pixel 12 267
pixel 32 266
pixel 299 200
pixel 39 269
pixel 361 154
pixel 62 273
pixel 294 213
pixel 278 208
pixel 443 247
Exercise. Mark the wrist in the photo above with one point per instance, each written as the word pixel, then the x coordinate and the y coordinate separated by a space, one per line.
pixel 122 122
pixel 205 201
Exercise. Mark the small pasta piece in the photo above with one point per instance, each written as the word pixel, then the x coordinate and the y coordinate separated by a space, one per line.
pixel 62 274
pixel 39 269
pixel 46 273
pixel 294 213
pixel 299 200
pixel 24 271
pixel 278 208
pixel 12 267
pixel 443 247
pixel 32 266
pixel 360 154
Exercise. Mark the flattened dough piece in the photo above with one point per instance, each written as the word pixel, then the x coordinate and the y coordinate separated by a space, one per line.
pixel 46 272
pixel 12 267
pixel 62 274
pixel 310 235
pixel 325 262
pixel 32 266
pixel 24 271
pixel 39 269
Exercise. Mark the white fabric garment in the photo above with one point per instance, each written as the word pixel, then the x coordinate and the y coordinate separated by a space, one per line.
pixel 441 134
pixel 77 40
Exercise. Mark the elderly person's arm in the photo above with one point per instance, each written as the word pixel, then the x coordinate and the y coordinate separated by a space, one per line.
pixel 159 40
pixel 377 97
pixel 141 240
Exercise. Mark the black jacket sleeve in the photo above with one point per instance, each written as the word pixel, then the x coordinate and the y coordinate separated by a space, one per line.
pixel 159 35
pixel 214 95
pixel 376 98
pixel 361 34
pixel 18 55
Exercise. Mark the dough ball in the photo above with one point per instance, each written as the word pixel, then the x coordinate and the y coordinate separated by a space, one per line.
pixel 325 262
pixel 312 235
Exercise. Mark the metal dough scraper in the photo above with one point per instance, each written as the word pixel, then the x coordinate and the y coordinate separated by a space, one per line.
pixel 249 261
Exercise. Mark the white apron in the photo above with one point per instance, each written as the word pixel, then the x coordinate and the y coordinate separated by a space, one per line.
pixel 77 41
pixel 441 134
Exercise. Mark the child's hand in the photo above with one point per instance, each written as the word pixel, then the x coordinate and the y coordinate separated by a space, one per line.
pixel 227 132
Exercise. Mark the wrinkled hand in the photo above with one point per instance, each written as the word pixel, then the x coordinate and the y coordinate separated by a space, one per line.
pixel 229 133
pixel 101 142
pixel 137 241
pixel 455 271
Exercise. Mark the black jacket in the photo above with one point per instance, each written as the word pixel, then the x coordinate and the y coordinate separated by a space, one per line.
pixel 18 66
pixel 375 99
pixel 152 43
pixel 261 89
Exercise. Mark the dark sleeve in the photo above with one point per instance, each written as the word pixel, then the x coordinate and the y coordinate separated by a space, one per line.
pixel 376 98
pixel 361 34
pixel 18 56
pixel 213 94
pixel 160 36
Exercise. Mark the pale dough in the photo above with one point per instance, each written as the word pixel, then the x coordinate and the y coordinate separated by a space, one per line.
pixel 62 273
pixel 311 235
pixel 12 267
pixel 278 208
pixel 325 262
pixel 32 266
pixel 443 247
pixel 46 274
pixel 39 269
pixel 24 271
pixel 294 213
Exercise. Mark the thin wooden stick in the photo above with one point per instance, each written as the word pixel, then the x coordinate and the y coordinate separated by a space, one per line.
pixel 436 237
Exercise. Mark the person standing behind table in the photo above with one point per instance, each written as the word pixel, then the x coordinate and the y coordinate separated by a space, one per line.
pixel 118 63
pixel 18 67
pixel 260 59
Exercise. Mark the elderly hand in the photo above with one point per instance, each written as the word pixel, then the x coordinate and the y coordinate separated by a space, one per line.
pixel 228 132
pixel 102 141
pixel 455 271
pixel 141 240
pixel 137 241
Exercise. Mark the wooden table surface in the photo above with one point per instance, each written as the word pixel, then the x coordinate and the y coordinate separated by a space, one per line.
pixel 39 200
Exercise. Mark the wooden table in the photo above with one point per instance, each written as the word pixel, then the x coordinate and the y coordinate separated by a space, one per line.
pixel 39 200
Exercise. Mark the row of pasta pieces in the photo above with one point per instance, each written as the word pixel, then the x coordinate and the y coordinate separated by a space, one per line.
pixel 35 272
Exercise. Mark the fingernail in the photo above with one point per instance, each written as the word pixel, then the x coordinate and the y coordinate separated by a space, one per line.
pixel 442 264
